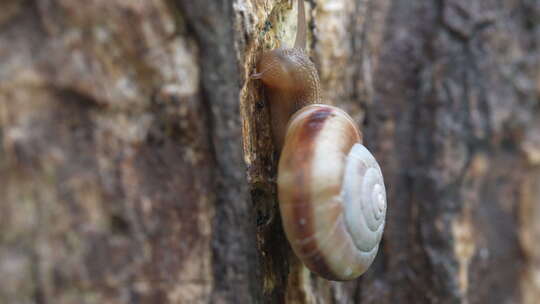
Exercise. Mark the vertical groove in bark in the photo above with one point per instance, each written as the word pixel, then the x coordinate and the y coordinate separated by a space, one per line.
pixel 235 267
pixel 274 254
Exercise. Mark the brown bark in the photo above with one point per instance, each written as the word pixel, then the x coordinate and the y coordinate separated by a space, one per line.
pixel 137 166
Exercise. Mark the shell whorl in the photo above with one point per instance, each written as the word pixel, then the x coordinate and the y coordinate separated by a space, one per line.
pixel 331 193
pixel 364 198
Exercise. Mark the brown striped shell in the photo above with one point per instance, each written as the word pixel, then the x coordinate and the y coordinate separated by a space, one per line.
pixel 331 193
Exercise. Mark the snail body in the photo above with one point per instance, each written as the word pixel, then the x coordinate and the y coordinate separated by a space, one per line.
pixel 331 191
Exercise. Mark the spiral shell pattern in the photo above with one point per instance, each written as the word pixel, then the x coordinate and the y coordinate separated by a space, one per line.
pixel 331 193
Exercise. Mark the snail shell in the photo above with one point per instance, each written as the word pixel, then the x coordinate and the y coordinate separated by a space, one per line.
pixel 331 193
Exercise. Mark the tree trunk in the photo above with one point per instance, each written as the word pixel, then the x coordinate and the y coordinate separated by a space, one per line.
pixel 137 166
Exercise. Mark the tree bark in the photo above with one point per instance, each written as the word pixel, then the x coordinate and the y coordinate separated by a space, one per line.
pixel 137 166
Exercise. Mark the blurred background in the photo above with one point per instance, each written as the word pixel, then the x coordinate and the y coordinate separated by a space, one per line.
pixel 136 161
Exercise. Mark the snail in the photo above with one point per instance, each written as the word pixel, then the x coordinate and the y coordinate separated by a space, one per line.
pixel 331 192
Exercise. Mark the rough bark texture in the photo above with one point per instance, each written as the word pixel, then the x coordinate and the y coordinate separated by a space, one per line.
pixel 136 162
